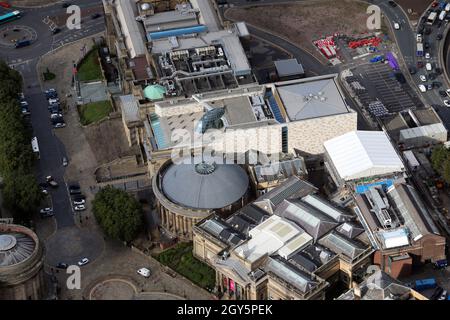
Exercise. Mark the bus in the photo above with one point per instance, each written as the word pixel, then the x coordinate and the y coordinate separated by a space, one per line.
pixel 432 18
pixel 10 16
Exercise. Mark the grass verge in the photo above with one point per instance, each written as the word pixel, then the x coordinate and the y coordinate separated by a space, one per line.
pixel 180 259
pixel 94 111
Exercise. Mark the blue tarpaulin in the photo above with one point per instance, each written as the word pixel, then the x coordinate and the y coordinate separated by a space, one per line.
pixel 364 187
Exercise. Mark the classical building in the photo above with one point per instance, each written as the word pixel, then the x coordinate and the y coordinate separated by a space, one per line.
pixel 288 244
pixel 21 264
pixel 188 193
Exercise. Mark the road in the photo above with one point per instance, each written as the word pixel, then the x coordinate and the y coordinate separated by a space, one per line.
pixel 25 60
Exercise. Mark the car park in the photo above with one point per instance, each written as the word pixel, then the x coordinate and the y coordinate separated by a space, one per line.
pixel 83 262
pixel 144 272
pixel 423 78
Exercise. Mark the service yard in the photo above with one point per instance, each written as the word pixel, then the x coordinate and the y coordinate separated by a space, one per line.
pixel 303 23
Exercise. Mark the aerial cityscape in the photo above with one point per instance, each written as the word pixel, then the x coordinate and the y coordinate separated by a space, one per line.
pixel 224 150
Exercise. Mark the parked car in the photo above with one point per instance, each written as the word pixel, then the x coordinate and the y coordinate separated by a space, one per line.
pixel 412 70
pixel 396 26
pixel 440 264
pixel 448 92
pixel 5 5
pixel 65 162
pixel 108 59
pixel 439 37
pixel 447 103
pixel 96 15
pixel 437 293
pixel 80 207
pixel 79 201
pixel 438 70
pixel 144 272
pixel 62 265
pixel 419 64
pixel 428 66
pixel 422 88
pixel 46 212
pixel 74 188
pixel 442 93
pixel 51 182
pixel 66 4
pixel 83 262
pixel 56 31
pixel 443 295
pixel 423 78
pixel 427 55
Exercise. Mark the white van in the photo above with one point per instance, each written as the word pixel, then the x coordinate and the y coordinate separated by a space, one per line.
pixel 428 66
pixel 422 88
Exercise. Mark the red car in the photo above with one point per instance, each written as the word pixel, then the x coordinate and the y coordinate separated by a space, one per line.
pixel 434 4
pixel 5 5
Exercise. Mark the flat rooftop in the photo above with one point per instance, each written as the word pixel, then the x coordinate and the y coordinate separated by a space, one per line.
pixel 307 99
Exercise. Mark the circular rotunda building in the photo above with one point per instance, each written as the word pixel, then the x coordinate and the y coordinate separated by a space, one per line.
pixel 188 193
pixel 21 264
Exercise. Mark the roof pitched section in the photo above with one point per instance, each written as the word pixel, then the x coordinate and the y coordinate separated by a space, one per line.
pixel 315 223
pixel 294 187
pixel 360 154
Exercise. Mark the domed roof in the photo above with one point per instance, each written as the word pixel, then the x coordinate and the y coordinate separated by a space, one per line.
pixel 15 248
pixel 154 92
pixel 204 186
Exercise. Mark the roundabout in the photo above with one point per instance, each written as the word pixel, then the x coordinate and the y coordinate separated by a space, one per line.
pixel 9 35
pixel 125 288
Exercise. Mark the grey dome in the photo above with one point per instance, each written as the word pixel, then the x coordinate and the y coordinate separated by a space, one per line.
pixel 15 248
pixel 204 186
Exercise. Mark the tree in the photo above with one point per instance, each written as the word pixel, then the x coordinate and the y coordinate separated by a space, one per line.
pixel 119 214
pixel 21 194
pixel 10 80
pixel 438 157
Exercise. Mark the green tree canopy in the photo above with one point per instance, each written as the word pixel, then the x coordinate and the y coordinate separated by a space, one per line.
pixel 440 160
pixel 20 190
pixel 11 81
pixel 119 214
